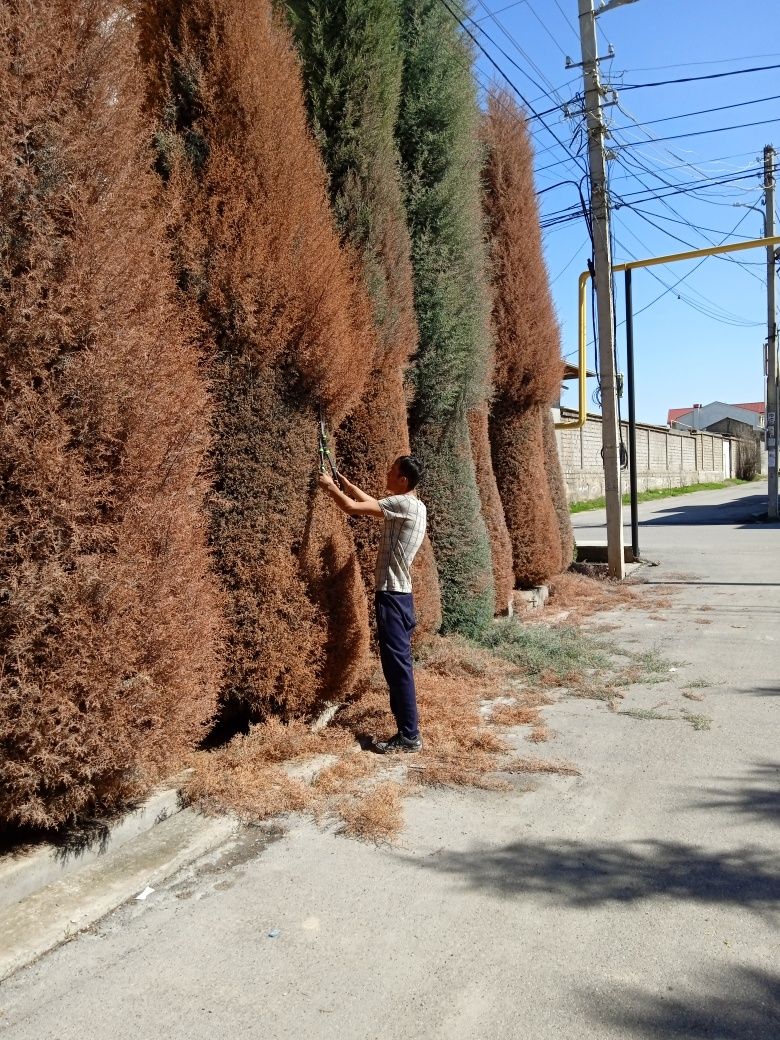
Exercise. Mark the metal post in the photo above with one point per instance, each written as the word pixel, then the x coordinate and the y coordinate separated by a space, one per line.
pixel 604 288
pixel 633 479
pixel 771 335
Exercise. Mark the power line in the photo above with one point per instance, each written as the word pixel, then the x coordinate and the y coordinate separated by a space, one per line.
pixel 707 111
pixel 635 161
pixel 501 72
pixel 688 188
pixel 704 162
pixel 697 79
pixel 568 20
pixel 711 61
pixel 697 133
pixel 553 92
pixel 544 25
pixel 563 270
pixel 687 223
pixel 712 303
pixel 726 317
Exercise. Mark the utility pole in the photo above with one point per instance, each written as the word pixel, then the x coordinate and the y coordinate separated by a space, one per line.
pixel 771 334
pixel 602 279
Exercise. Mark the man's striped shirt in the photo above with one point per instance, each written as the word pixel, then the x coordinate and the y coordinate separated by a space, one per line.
pixel 402 534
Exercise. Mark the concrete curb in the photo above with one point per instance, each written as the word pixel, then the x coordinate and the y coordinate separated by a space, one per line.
pixel 22 874
pixel 57 912
pixel 530 599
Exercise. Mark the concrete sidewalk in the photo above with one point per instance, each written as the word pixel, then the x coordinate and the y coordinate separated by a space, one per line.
pixel 640 900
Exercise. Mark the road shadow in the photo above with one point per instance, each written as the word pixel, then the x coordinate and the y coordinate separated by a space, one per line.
pixel 579 874
pixel 744 512
pixel 737 1004
pixel 756 795
pixel 772 690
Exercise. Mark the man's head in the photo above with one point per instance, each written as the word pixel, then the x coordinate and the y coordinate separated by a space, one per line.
pixel 404 475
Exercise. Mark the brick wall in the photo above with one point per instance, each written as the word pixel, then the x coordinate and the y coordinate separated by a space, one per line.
pixel 665 458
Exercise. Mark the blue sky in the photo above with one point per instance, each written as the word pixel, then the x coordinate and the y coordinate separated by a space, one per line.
pixel 704 340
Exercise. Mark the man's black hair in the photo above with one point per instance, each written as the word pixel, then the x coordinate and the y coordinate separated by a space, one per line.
pixel 411 467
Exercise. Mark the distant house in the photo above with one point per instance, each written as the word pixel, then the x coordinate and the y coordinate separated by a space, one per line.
pixel 719 417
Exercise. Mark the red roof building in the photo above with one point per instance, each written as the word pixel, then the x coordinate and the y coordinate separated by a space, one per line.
pixel 757 407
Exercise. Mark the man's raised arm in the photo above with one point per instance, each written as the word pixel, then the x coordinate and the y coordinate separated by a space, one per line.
pixel 353 490
pixel 367 506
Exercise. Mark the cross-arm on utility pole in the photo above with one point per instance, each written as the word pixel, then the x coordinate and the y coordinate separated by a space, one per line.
pixel 771 335
pixel 602 260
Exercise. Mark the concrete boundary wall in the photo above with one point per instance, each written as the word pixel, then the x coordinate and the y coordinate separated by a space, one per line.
pixel 665 458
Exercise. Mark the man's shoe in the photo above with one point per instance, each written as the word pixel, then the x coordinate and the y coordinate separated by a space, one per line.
pixel 398 743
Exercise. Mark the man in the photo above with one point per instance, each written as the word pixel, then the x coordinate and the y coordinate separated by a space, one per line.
pixel 403 530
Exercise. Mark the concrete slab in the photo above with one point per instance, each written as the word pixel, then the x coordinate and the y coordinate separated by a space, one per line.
pixel 23 873
pixel 62 909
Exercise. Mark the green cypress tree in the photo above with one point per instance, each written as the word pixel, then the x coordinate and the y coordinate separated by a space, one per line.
pixel 440 160
pixel 352 62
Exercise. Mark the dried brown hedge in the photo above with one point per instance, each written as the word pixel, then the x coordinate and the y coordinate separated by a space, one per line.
pixel 109 620
pixel 352 62
pixel 552 465
pixel 492 508
pixel 289 328
pixel 528 364
pixel 517 441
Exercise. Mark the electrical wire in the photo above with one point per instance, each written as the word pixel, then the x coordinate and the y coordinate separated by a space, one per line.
pixel 553 93
pixel 681 219
pixel 568 20
pixel 700 133
pixel 698 79
pixel 707 111
pixel 501 72
pixel 709 307
pixel 711 61
pixel 683 165
pixel 501 10
pixel 563 270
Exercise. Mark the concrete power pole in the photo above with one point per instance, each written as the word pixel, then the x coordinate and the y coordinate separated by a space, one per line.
pixel 602 260
pixel 771 334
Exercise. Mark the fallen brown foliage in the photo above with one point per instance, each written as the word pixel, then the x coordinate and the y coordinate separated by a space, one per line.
pixel 581 596
pixel 556 767
pixel 342 775
pixel 539 734
pixel 514 715
pixel 376 816
pixel 364 790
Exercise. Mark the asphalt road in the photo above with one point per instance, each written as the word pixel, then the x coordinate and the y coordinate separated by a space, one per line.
pixel 640 900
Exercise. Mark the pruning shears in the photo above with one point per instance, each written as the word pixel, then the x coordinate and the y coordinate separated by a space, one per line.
pixel 325 456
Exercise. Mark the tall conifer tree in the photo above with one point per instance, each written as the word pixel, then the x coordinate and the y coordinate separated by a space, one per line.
pixel 109 617
pixel 352 60
pixel 288 329
pixel 528 358
pixel 440 161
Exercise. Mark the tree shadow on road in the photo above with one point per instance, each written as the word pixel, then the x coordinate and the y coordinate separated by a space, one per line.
pixel 739 1004
pixel 743 512
pixel 756 795
pixel 578 874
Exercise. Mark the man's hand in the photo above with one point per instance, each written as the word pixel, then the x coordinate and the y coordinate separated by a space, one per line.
pixel 326 482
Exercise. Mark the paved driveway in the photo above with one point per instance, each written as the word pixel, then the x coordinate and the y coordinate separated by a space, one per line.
pixel 639 900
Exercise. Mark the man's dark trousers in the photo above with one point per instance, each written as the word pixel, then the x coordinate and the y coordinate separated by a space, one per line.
pixel 395 622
